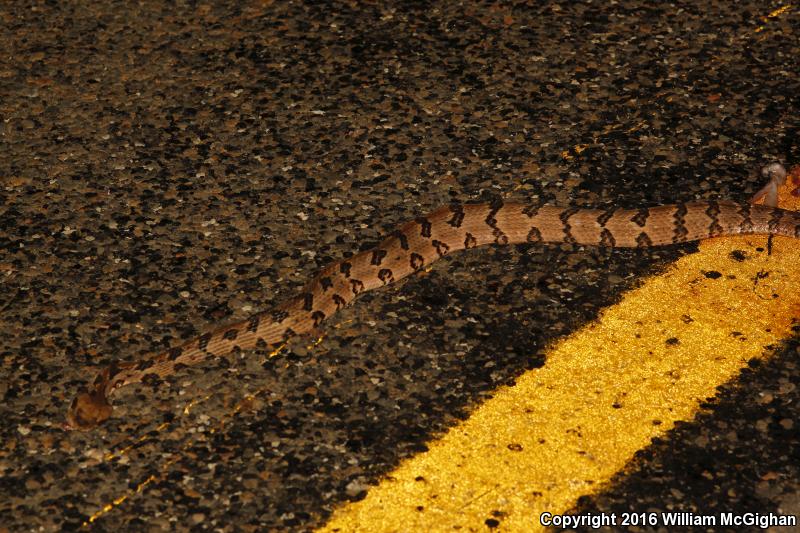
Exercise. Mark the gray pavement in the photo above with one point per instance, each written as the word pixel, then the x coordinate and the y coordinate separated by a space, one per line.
pixel 164 169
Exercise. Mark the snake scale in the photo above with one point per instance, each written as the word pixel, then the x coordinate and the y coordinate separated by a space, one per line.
pixel 422 241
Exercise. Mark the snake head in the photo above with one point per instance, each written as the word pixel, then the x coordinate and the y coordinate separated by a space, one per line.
pixel 88 410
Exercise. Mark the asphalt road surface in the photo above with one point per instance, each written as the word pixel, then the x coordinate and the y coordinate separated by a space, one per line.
pixel 165 169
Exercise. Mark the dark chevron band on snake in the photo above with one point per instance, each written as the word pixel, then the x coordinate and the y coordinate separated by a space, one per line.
pixel 419 243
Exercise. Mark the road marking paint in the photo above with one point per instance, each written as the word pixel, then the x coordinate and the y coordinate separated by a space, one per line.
pixel 603 393
pixel 776 13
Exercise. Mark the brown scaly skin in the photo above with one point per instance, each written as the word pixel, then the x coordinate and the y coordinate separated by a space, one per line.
pixel 420 242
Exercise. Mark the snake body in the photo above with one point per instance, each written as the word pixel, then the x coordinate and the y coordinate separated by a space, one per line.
pixel 422 241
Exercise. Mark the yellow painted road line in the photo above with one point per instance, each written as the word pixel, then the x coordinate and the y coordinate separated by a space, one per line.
pixel 603 393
